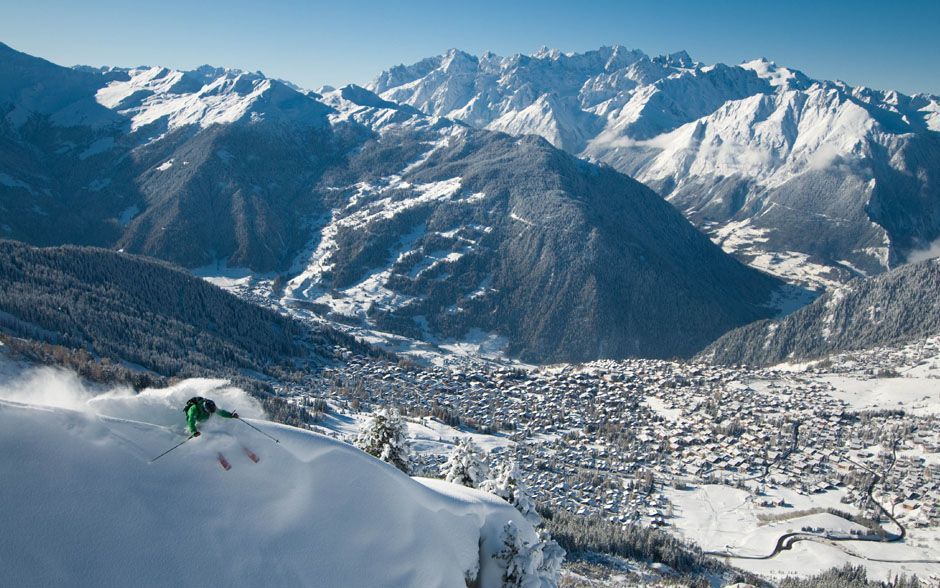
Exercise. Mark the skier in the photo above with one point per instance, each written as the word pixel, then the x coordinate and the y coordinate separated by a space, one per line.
pixel 199 409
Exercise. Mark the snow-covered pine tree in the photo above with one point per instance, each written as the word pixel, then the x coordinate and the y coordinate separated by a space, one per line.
pixel 386 438
pixel 529 566
pixel 553 556
pixel 509 485
pixel 465 465
pixel 514 557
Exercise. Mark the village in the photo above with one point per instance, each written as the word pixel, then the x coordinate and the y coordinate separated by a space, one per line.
pixel 614 438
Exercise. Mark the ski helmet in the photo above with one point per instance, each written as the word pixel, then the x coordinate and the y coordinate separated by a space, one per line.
pixel 210 406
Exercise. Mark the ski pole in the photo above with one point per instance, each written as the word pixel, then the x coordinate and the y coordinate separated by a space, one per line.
pixel 259 430
pixel 172 448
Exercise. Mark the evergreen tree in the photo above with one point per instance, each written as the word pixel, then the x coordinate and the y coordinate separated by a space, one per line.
pixel 509 485
pixel 386 438
pixel 529 565
pixel 553 556
pixel 849 576
pixel 465 465
pixel 514 557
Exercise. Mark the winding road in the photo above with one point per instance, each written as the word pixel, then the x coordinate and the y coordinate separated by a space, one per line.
pixel 786 541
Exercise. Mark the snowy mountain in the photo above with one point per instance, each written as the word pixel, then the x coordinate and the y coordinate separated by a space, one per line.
pixel 364 107
pixel 192 167
pixel 897 307
pixel 381 215
pixel 813 180
pixel 83 505
pixel 156 98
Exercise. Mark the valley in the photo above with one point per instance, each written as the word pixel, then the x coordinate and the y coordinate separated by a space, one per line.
pixel 696 305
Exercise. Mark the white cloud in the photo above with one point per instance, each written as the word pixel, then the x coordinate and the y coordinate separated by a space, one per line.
pixel 922 254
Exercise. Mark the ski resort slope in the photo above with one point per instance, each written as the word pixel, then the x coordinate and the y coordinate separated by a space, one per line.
pixel 82 505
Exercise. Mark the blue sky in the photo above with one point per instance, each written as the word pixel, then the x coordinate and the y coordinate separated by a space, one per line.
pixel 878 44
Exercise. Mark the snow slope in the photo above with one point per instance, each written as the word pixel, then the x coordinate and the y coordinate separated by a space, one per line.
pixel 82 505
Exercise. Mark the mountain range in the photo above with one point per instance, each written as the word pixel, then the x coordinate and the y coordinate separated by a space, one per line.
pixel 374 212
pixel 264 240
pixel 485 199
pixel 815 181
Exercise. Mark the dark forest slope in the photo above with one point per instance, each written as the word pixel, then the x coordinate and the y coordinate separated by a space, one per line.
pixel 149 313
pixel 899 306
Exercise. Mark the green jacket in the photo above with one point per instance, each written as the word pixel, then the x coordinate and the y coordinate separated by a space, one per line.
pixel 198 413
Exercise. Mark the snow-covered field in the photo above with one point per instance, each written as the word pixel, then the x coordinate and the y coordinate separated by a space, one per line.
pixel 82 504
pixel 660 408
pixel 915 395
pixel 720 518
pixel 723 519
pixel 810 557
pixel 475 347
pixel 912 381
pixel 742 239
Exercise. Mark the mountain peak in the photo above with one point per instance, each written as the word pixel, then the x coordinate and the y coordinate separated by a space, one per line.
pixel 789 79
pixel 457 61
pixel 363 97
pixel 545 52
pixel 677 59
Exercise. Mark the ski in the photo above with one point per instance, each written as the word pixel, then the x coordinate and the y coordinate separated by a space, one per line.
pixel 224 463
pixel 251 454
